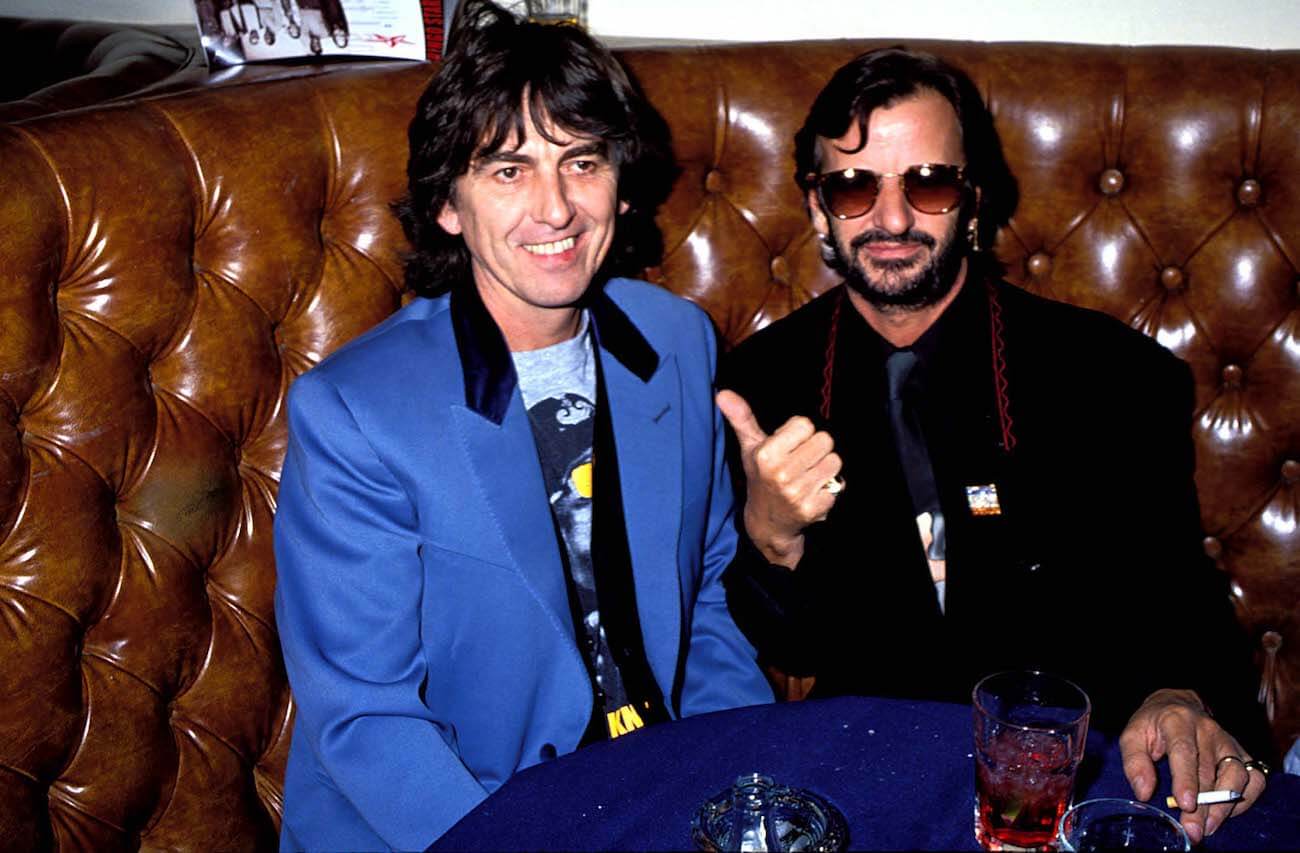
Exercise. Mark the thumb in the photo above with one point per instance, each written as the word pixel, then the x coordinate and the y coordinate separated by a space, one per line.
pixel 742 420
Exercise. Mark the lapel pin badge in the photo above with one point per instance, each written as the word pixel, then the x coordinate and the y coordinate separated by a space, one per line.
pixel 983 499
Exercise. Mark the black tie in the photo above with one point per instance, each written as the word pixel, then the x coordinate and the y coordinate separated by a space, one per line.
pixel 910 442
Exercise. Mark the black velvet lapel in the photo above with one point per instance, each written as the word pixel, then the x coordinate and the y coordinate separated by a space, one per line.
pixel 616 333
pixel 489 371
pixel 612 562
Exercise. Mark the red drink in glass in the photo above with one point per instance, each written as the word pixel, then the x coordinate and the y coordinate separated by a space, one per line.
pixel 1023 783
pixel 1029 735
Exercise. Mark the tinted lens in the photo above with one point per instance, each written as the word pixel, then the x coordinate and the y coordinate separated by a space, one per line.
pixel 933 189
pixel 849 193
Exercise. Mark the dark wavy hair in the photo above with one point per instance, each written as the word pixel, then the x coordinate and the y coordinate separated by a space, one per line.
pixel 880 78
pixel 498 74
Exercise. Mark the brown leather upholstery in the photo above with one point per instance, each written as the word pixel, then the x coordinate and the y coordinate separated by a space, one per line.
pixel 168 266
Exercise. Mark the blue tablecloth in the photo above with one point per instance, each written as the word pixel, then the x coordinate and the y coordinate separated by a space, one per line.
pixel 901 772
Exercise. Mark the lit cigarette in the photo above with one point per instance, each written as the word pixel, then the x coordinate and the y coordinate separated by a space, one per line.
pixel 1208 798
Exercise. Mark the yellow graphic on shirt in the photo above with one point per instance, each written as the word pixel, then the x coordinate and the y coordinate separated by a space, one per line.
pixel 622 721
pixel 581 480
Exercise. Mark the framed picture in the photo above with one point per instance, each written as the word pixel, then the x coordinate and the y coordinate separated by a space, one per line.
pixel 237 31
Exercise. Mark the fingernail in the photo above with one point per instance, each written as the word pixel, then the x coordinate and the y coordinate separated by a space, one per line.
pixel 1193 833
pixel 1187 802
pixel 1210 825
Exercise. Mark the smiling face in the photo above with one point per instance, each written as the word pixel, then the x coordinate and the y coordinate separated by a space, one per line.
pixel 894 256
pixel 538 218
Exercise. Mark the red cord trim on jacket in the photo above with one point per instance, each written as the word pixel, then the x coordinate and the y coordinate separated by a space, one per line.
pixel 828 370
pixel 1000 370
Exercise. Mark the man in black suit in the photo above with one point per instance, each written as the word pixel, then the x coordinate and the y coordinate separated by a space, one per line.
pixel 948 476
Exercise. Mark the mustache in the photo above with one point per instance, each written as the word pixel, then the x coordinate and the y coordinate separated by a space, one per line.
pixel 879 235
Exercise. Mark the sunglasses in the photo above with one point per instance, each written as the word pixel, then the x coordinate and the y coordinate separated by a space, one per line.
pixel 931 188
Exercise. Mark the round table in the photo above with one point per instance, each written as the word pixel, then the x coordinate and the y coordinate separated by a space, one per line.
pixel 900 771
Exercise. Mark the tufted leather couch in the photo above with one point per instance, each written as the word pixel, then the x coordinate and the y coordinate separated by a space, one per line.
pixel 169 265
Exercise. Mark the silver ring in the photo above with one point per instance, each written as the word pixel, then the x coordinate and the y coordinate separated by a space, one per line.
pixel 834 485
pixel 1236 758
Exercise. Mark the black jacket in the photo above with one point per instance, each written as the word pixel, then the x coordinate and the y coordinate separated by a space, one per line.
pixel 1094 569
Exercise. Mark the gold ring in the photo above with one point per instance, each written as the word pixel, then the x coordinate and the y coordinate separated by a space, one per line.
pixel 1252 764
pixel 834 485
pixel 1236 758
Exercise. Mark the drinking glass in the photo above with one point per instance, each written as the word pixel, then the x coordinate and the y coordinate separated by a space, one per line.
pixel 1030 728
pixel 557 11
pixel 1118 824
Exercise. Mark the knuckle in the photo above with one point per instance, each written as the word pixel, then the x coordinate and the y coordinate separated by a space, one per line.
pixel 809 511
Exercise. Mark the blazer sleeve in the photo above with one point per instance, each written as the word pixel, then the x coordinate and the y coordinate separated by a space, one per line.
pixel 721 671
pixel 1186 600
pixel 350 581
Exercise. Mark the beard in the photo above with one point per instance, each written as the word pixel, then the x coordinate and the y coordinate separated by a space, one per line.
pixel 900 284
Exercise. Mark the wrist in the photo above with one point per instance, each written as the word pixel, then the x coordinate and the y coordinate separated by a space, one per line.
pixel 777 548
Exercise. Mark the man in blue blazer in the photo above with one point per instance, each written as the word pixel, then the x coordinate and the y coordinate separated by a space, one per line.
pixel 504 512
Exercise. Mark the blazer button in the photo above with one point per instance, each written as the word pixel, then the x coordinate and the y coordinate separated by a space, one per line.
pixel 547 752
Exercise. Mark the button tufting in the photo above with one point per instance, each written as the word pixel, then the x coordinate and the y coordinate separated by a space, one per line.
pixel 1213 547
pixel 1111 182
pixel 780 269
pixel 1271 641
pixel 1249 192
pixel 1291 471
pixel 713 181
pixel 1039 264
pixel 1172 278
pixel 1232 375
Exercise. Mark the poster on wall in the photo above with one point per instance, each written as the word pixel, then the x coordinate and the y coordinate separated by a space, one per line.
pixel 238 31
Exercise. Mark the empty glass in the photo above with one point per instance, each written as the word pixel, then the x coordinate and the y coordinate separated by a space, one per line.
pixel 1118 824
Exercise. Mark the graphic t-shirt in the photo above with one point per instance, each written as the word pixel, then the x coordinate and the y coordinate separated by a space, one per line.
pixel 558 384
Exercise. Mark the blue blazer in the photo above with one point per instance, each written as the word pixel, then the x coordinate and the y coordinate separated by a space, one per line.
pixel 421 598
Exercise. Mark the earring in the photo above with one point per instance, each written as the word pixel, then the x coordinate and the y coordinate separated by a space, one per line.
pixel 826 247
pixel 973 233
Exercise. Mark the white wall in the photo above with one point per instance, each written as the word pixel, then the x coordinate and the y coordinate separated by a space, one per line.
pixel 1243 23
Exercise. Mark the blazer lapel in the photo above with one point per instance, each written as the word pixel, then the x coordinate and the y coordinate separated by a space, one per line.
pixel 647 432
pixel 519 530
pixel 502 453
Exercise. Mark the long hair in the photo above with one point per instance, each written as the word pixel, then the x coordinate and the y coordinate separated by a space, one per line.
pixel 498 75
pixel 880 78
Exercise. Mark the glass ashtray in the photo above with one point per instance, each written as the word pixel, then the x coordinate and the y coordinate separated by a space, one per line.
pixel 757 814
